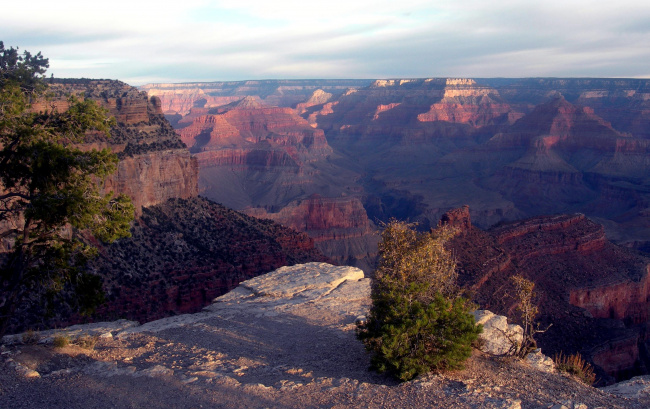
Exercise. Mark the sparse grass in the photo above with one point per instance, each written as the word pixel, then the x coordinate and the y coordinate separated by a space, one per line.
pixel 31 337
pixel 575 365
pixel 61 340
pixel 86 342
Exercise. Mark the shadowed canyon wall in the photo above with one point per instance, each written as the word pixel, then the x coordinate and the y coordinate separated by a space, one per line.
pixel 594 293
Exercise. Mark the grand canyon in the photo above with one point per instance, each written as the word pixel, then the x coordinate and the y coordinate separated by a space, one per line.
pixel 553 174
pixel 231 180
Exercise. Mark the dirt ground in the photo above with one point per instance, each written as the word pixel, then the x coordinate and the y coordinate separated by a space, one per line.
pixel 285 361
pixel 283 340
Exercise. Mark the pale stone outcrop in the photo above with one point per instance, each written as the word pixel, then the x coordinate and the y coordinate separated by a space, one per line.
pixel 311 281
pixel 498 337
pixel 341 290
pixel 95 329
pixel 637 387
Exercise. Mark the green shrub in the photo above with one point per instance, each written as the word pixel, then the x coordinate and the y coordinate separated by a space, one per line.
pixel 575 365
pixel 418 322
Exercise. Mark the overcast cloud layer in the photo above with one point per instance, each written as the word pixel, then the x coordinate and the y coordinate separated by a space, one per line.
pixel 193 40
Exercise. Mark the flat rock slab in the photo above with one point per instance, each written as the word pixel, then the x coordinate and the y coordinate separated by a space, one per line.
pixel 344 290
pixel 311 280
pixel 307 290
pixel 637 387
pixel 95 329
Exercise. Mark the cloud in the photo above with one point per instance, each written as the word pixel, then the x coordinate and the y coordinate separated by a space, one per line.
pixel 147 41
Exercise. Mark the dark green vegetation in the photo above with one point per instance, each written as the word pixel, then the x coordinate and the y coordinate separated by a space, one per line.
pixel 418 321
pixel 49 190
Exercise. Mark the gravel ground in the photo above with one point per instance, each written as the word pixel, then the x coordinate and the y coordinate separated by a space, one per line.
pixel 296 349
pixel 245 361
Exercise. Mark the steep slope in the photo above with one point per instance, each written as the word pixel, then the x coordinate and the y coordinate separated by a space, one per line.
pixel 339 227
pixel 594 293
pixel 154 163
pixel 265 160
pixel 256 142
pixel 625 103
pixel 185 253
pixel 402 132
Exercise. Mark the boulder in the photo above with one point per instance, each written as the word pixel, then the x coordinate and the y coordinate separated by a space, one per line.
pixel 498 337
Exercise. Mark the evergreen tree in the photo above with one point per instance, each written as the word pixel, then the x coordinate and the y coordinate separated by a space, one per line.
pixel 50 189
pixel 418 322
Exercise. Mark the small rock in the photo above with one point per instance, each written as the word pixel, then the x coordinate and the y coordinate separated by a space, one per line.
pixel 157 370
pixel 540 361
pixel 26 372
pixel 60 372
pixel 512 404
pixel 284 385
pixel 187 380
pixel 256 386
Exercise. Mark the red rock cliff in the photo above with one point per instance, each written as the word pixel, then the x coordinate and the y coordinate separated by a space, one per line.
pixel 339 227
pixel 153 177
pixel 154 164
pixel 580 279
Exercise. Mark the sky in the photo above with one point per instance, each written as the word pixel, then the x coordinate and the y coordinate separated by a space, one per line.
pixel 142 41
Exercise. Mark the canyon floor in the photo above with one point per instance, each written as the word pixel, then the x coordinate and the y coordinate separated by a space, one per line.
pixel 283 340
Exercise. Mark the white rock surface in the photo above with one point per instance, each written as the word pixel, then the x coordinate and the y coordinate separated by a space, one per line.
pixel 337 288
pixel 99 329
pixel 309 281
pixel 498 336
pixel 321 284
pixel 637 387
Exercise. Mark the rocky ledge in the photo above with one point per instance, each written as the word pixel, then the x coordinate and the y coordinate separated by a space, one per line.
pixel 285 339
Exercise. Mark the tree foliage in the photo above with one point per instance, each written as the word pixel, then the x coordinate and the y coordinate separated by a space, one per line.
pixel 418 321
pixel 50 189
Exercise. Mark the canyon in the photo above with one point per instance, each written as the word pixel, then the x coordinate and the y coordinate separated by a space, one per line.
pixel 592 292
pixel 414 148
pixel 336 158
pixel 184 250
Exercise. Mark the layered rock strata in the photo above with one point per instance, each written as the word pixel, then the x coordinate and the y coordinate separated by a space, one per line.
pixel 593 292
pixel 154 163
pixel 181 98
pixel 339 227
